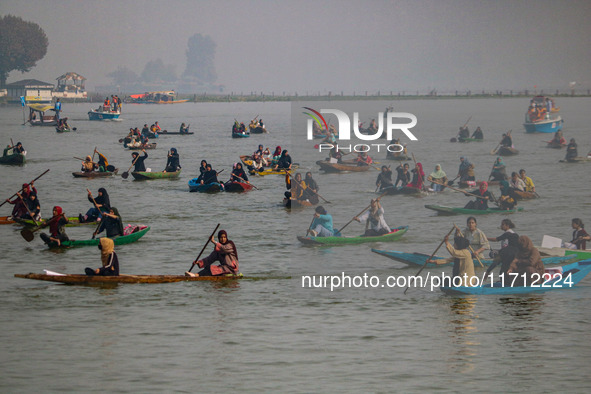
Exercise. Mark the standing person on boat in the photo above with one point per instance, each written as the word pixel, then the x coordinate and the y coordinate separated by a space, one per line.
pixel 580 236
pixel 418 177
pixel 363 159
pixel 109 260
pixel 57 228
pixel 476 237
pixel 139 165
pixel 19 210
pixel 508 199
pixel 463 134
pixel 499 172
pixel 225 253
pixel 506 141
pixel 311 191
pixel 57 108
pixel 516 182
pixel 238 174
pixel 384 179
pixel 466 170
pixel 529 184
pixel 403 177
pixel 183 129
pixel 463 267
pixel 509 246
pixel 478 135
pixel 482 199
pixel 439 177
pixel 322 224
pixel 111 223
pixel 571 150
pixel 284 162
pixel 107 103
pixel 173 163
pixel 102 201
pixel 527 263
pixel 375 224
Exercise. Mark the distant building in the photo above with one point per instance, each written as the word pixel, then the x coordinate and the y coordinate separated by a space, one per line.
pixel 33 90
pixel 70 85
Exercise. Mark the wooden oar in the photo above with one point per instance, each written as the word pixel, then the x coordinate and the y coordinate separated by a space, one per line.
pixel 310 226
pixel 287 172
pixel 4 202
pixel 29 235
pixel 28 210
pixel 471 250
pixel 364 209
pixel 245 181
pixel 459 190
pixel 432 255
pixel 94 153
pixel 449 183
pixel 204 246
pixel 125 175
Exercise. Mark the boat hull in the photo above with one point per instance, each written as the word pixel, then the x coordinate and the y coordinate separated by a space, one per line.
pixel 507 151
pixel 240 135
pixel 102 115
pixel 581 254
pixel 213 187
pixel 142 176
pixel 151 145
pixel 77 279
pixel 15 159
pixel 442 210
pixel 395 235
pixel 400 190
pixel 544 126
pixel 237 187
pixel 257 130
pixel 121 240
pixel 95 174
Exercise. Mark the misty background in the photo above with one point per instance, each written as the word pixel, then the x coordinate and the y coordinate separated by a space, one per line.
pixel 320 46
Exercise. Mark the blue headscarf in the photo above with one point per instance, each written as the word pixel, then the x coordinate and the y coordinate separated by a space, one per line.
pixel 465 164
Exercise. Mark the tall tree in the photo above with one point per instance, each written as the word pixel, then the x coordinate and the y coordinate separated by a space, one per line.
pixel 123 76
pixel 200 58
pixel 22 44
pixel 157 71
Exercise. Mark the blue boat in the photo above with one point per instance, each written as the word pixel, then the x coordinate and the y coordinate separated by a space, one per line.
pixel 570 276
pixel 195 186
pixel 551 125
pixel 240 135
pixel 103 113
pixel 418 259
pixel 541 116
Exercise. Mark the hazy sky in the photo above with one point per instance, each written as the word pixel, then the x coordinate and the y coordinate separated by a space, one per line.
pixel 320 46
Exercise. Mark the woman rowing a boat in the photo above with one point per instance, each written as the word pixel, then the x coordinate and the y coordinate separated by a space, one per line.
pixel 18 148
pixel 463 267
pixel 173 163
pixel 103 203
pixel 403 177
pixel 478 135
pixel 88 165
pixel 509 246
pixel 466 170
pixel 474 235
pixel 580 236
pixel 384 179
pixel 284 161
pixel 483 196
pixel 139 165
pixel 57 228
pixel 109 260
pixel 438 179
pixel 276 155
pixel 498 172
pixel 418 177
pixel 363 159
pixel 112 224
pixel 209 176
pixel 506 141
pixel 508 199
pixel 299 188
pixel 375 223
pixel 20 209
pixel 571 150
pixel 527 267
pixel 238 174
pixel 322 224
pixel 225 253
pixel 311 192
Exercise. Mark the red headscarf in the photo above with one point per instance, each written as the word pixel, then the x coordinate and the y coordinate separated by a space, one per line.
pixel 277 151
pixel 54 221
pixel 483 187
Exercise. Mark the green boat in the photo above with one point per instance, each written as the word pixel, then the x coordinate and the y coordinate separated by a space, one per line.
pixel 121 240
pixel 581 254
pixel 10 157
pixel 72 222
pixel 470 140
pixel 440 209
pixel 142 175
pixel 394 235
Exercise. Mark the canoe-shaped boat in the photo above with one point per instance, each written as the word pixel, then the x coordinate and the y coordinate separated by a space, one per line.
pixel 400 190
pixel 120 240
pixel 581 254
pixel 554 145
pixel 394 235
pixel 240 135
pixel 418 259
pixel 270 171
pixel 442 210
pixel 165 132
pixel 470 139
pixel 12 158
pixel 506 151
pixel 6 220
pixel 77 279
pixel 257 130
pixel 237 187
pixel 94 174
pixel 195 186
pixel 339 167
pixel 571 275
pixel 103 113
pixel 72 222
pixel 525 195
pixel 144 175
pixel 578 159
pixel 151 145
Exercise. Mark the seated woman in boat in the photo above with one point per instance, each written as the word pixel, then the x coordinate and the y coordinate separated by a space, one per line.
pixel 276 155
pixel 509 246
pixel 438 179
pixel 476 237
pixel 322 224
pixel 529 184
pixel 463 268
pixel 558 138
pixel 109 260
pixel 463 134
pixel 259 151
pixel 284 162
pixel 298 188
pixel 88 165
pixel 209 176
pixel 483 196
pixel 203 167
pixel 527 264
pixel 138 161
pixel 242 128
pixel 403 177
pixel 508 199
pixel 516 182
pixel 183 129
pixel 499 171
pixel 466 170
pixel 257 163
pixel 238 174
pixel 506 141
pixel 57 228
pixel 418 177
pixel 311 191
pixel 580 236
pixel 478 134
pixel 33 205
pixel 102 201
pixel 384 179
pixel 18 148
pixel 173 162
pixel 571 150
pixel 363 159
pixel 336 154
pixel 225 253
pixel 20 210
pixel 375 224
pixel 112 224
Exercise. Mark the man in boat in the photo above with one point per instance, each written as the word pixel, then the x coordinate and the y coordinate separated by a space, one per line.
pixel 463 267
pixel 20 210
pixel 109 260
pixel 112 224
pixel 88 165
pixel 103 203
pixel 57 228
pixel 322 224
pixel 225 253
pixel 375 224
pixel 173 163
pixel 483 196
pixel 529 184
pixel 403 177
pixel 140 166
pixel 384 179
pixel 478 135
pixel 57 108
pixel 571 150
pixel 516 182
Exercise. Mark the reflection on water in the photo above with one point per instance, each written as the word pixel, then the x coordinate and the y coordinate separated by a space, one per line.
pixel 462 333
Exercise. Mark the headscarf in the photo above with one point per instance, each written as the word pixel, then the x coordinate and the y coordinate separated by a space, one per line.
pixel 499 161
pixel 223 232
pixel 465 164
pixel 173 151
pixel 438 174
pixel 310 181
pixel 53 224
pixel 483 187
pixel 88 158
pixel 528 254
pixel 107 248
pixel 277 151
pixel 104 198
pixel 504 187
pixel 461 242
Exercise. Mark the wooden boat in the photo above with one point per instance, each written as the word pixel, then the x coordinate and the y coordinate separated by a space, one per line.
pixel 166 132
pixel 6 220
pixel 294 203
pixel 143 175
pixel 578 159
pixel 160 97
pixel 525 195
pixel 257 130
pixel 339 167
pixel 394 235
pixel 400 190
pixel 237 187
pixel 37 115
pixel 442 210
pixel 399 156
pixel 10 157
pixel 195 186
pixel 103 113
pixel 120 240
pixel 77 279
pixel 554 145
pixel 95 174
pixel 72 222
pixel 270 171
pixel 151 145
pixel 567 277
pixel 506 151
pixel 418 259
pixel 240 135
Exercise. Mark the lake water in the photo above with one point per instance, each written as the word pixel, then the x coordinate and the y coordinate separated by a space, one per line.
pixel 273 335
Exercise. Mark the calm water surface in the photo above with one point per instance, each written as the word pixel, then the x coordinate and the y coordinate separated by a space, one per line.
pixel 272 334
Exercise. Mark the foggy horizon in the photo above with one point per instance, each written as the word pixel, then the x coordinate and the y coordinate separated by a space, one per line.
pixel 322 46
